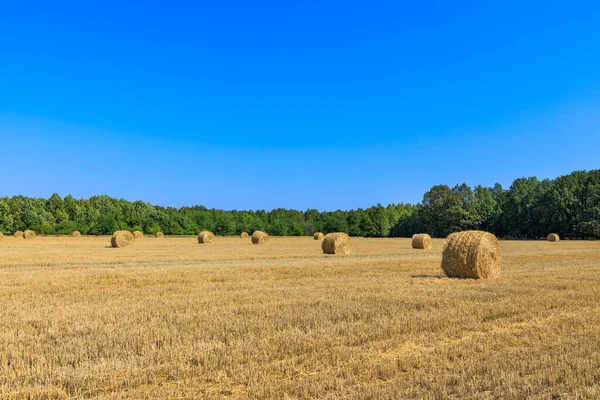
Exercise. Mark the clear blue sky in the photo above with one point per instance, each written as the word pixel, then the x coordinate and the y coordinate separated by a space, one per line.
pixel 297 104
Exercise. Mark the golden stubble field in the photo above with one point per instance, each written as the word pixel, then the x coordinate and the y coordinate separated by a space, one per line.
pixel 175 319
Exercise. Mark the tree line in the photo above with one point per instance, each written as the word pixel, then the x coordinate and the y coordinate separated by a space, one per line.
pixel 529 209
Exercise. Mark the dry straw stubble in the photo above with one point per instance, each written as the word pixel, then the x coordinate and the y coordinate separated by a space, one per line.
pixel 337 243
pixel 29 234
pixel 205 237
pixel 421 241
pixel 318 236
pixel 553 237
pixel 260 237
pixel 121 239
pixel 471 254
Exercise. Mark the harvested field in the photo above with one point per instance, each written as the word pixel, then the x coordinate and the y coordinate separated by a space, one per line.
pixel 171 319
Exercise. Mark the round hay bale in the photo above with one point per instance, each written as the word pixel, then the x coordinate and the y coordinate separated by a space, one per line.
pixel 244 235
pixel 76 234
pixel 471 254
pixel 553 237
pixel 138 235
pixel 206 237
pixel 28 234
pixel 421 241
pixel 336 243
pixel 160 235
pixel 260 237
pixel 318 236
pixel 121 239
pixel 19 235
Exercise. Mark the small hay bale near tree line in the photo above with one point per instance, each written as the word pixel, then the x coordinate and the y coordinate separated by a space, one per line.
pixel 160 235
pixel 138 235
pixel 471 254
pixel 244 235
pixel 76 234
pixel 19 235
pixel 421 241
pixel 121 239
pixel 28 234
pixel 260 237
pixel 336 243
pixel 205 237
pixel 553 237
pixel 318 235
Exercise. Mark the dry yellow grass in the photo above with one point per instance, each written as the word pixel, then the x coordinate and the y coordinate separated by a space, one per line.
pixel 162 319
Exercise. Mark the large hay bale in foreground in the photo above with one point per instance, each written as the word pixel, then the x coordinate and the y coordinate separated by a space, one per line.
pixel 244 235
pixel 206 237
pixel 76 234
pixel 471 254
pixel 121 239
pixel 421 241
pixel 28 234
pixel 19 235
pixel 318 236
pixel 160 235
pixel 553 237
pixel 336 243
pixel 260 237
pixel 138 235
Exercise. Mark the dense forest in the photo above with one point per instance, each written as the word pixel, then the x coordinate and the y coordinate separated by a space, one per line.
pixel 530 208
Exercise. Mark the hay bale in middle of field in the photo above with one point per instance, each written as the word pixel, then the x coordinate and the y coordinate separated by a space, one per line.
pixel 471 254
pixel 260 237
pixel 121 239
pixel 421 241
pixel 29 234
pixel 336 243
pixel 244 235
pixel 206 237
pixel 553 237
pixel 19 235
pixel 76 234
pixel 318 236
pixel 138 235
pixel 160 235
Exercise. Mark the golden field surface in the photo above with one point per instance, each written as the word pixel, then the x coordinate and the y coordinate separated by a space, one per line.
pixel 172 319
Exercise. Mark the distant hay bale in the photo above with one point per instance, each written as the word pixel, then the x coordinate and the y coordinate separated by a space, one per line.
pixel 260 237
pixel 19 234
pixel 336 243
pixel 121 239
pixel 471 254
pixel 138 235
pixel 206 237
pixel 318 236
pixel 28 234
pixel 244 235
pixel 553 237
pixel 76 234
pixel 160 235
pixel 421 241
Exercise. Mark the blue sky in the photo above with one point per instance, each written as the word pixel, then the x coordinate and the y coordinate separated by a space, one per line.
pixel 296 104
